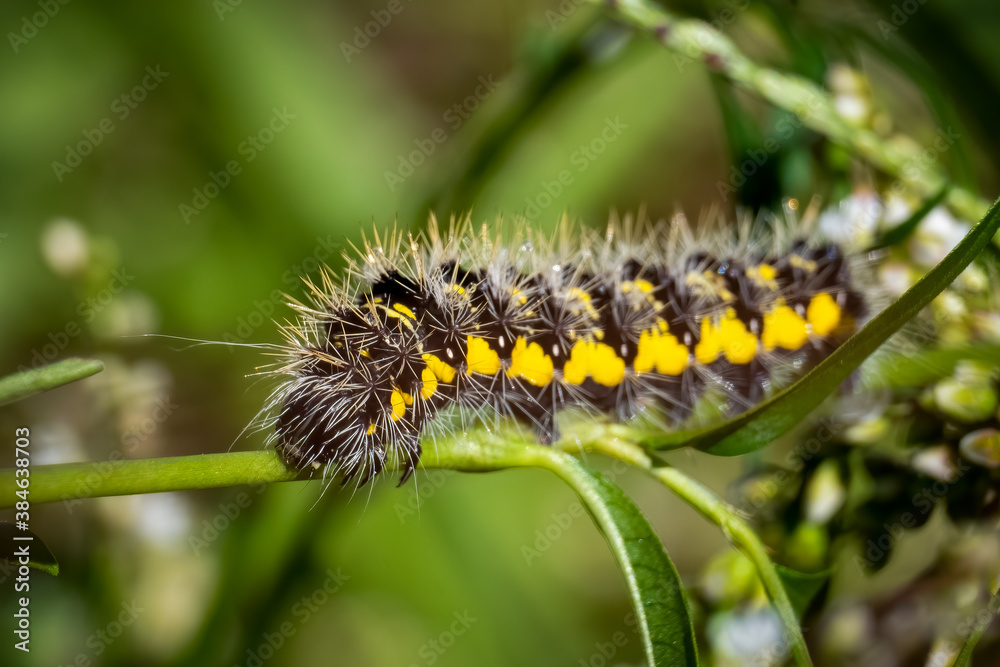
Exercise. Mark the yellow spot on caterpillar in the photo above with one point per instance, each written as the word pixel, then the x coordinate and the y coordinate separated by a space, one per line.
pixel 709 346
pixel 440 369
pixel 480 358
pixel 398 404
pixel 783 327
pixel 738 345
pixel 407 398
pixel 660 350
pixel 397 313
pixel 596 360
pixel 729 337
pixel 709 284
pixel 764 275
pixel 429 382
pixel 643 286
pixel 458 289
pixel 823 314
pixel 529 361
pixel 581 296
pixel 371 428
pixel 366 354
pixel 403 309
pixel 799 262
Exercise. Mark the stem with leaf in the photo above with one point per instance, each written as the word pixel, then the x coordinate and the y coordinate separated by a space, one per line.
pixel 696 40
pixel 735 529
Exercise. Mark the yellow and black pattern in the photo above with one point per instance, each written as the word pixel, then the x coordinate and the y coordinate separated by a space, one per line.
pixel 519 332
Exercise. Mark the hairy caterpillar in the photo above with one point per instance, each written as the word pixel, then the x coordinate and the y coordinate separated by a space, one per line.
pixel 640 319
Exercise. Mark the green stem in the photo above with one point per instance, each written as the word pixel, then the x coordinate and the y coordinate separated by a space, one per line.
pixel 719 513
pixel 652 581
pixel 716 511
pixel 696 40
pixel 71 481
pixel 28 383
pixel 964 658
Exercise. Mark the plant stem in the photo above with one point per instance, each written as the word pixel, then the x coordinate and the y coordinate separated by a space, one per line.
pixel 28 383
pixel 719 513
pixel 964 658
pixel 72 481
pixel 694 40
pixel 746 540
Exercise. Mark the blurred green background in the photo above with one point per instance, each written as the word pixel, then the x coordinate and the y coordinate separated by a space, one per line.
pixel 170 167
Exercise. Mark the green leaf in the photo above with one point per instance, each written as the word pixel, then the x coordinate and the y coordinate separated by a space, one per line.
pixel 28 383
pixel 40 556
pixel 902 231
pixel 661 610
pixel 764 423
pixel 801 587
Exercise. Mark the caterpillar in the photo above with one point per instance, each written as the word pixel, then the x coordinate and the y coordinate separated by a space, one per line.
pixel 637 320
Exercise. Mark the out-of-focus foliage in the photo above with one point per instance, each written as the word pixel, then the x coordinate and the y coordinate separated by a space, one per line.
pixel 171 168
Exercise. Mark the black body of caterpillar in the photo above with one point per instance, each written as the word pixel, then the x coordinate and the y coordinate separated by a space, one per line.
pixel 524 330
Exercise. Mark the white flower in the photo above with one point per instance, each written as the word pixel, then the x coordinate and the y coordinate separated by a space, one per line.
pixel 853 222
pixel 935 236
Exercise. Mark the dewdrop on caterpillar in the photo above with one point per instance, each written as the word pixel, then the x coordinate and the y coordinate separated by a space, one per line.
pixel 638 320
